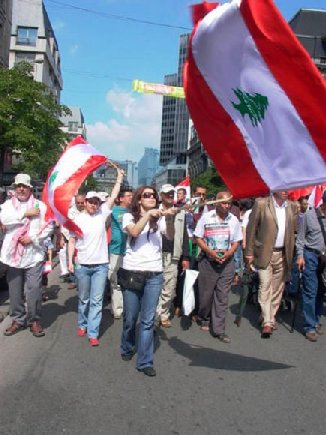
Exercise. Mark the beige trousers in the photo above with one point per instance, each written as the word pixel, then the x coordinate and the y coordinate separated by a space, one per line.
pixel 271 286
pixel 170 273
pixel 116 294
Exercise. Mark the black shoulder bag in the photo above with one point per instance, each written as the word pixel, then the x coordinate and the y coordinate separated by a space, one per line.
pixel 322 256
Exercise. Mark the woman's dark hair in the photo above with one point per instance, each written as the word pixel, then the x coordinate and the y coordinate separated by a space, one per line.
pixel 136 210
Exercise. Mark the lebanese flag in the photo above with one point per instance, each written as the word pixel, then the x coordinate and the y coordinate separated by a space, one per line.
pixel 185 182
pixel 256 98
pixel 78 160
pixel 315 199
pixel 294 195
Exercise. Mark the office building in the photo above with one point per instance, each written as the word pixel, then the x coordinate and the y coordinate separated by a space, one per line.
pixel 74 124
pixel 5 30
pixel 148 166
pixel 33 40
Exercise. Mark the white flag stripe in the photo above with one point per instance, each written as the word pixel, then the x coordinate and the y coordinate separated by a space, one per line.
pixel 73 159
pixel 281 140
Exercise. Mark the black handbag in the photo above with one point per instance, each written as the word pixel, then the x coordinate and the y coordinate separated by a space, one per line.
pixel 130 279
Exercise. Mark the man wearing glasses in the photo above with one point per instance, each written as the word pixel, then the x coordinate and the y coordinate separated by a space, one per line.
pixel 218 234
pixel 23 217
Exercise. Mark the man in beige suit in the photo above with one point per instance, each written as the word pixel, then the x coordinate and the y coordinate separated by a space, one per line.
pixel 270 241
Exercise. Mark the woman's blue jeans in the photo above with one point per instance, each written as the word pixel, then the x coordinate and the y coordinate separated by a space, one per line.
pixel 91 280
pixel 143 303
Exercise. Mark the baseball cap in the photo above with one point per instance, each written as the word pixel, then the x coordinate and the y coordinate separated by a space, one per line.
pixel 166 188
pixel 93 194
pixel 24 179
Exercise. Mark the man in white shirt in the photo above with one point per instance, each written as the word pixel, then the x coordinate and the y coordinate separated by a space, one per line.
pixel 270 240
pixel 218 234
pixel 23 217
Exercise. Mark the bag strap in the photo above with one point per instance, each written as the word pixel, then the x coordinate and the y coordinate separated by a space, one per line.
pixel 320 218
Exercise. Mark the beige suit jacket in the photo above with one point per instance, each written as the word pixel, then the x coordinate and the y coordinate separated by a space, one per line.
pixel 262 231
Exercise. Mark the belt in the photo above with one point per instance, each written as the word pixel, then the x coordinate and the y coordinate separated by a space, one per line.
pixel 315 251
pixel 278 249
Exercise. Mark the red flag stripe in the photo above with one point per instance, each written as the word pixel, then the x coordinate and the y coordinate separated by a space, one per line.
pixel 220 135
pixel 266 24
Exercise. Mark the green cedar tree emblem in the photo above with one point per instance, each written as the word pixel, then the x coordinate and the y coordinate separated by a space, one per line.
pixel 253 105
pixel 53 176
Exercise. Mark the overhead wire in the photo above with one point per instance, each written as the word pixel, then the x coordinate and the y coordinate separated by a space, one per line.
pixel 115 16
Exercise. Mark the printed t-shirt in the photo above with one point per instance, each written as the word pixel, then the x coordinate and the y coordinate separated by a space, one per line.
pixel 217 233
pixel 118 237
pixel 144 253
pixel 92 247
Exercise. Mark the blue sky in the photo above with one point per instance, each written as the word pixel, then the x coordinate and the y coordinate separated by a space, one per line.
pixel 101 55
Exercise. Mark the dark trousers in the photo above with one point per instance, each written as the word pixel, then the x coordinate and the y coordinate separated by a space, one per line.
pixel 25 283
pixel 214 284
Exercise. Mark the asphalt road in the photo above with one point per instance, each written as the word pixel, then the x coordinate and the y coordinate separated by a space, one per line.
pixel 59 384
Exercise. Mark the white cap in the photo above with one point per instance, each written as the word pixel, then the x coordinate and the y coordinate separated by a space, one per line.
pixel 103 196
pixel 24 179
pixel 166 188
pixel 93 194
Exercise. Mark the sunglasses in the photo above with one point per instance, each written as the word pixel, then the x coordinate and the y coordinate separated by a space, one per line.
pixel 148 195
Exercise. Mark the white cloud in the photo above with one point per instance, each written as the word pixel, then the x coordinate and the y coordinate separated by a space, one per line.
pixel 136 124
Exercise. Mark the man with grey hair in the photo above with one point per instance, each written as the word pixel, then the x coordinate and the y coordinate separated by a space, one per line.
pixel 270 241
pixel 311 260
pixel 23 251
pixel 218 234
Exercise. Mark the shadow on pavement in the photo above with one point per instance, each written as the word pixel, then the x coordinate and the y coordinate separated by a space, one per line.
pixel 220 360
pixel 107 321
pixel 51 311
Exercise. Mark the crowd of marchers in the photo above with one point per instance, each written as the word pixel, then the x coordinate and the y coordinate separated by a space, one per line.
pixel 143 242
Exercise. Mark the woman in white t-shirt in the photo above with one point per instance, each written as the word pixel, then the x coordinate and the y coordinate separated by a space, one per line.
pixel 92 261
pixel 144 226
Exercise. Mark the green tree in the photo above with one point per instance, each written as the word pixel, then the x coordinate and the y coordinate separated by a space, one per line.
pixel 29 121
pixel 89 184
pixel 209 179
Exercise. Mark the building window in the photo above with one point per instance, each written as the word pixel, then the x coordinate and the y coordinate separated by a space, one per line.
pixel 72 126
pixel 26 36
pixel 24 56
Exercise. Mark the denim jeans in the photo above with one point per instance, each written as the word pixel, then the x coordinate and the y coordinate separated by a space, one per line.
pixel 143 303
pixel 91 281
pixel 313 292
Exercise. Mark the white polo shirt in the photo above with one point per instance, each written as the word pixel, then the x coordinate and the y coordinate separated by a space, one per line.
pixel 218 233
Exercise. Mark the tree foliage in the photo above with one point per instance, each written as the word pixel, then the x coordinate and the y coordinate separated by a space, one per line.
pixel 29 121
pixel 209 179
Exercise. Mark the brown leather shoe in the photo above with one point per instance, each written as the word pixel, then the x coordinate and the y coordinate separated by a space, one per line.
pixel 311 336
pixel 36 329
pixel 14 328
pixel 266 332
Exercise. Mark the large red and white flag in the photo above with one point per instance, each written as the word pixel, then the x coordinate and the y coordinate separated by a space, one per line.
pixel 78 160
pixel 256 98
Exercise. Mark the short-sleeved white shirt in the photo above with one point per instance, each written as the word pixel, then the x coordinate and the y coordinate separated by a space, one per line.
pixel 144 253
pixel 217 233
pixel 92 248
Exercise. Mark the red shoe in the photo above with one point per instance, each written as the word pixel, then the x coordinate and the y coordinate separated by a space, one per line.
pixel 81 332
pixel 94 342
